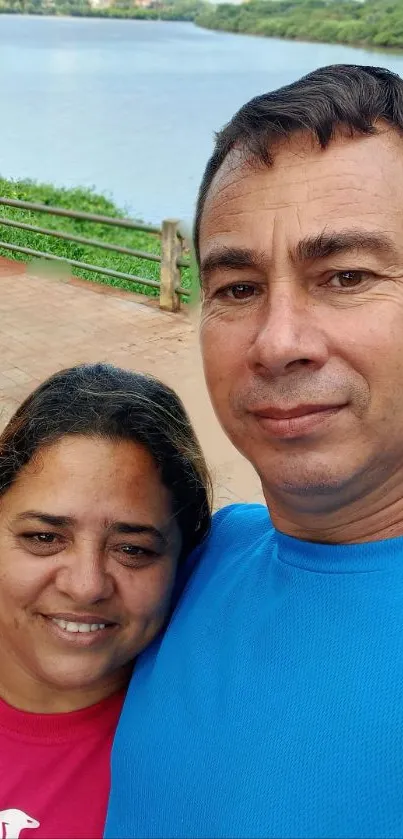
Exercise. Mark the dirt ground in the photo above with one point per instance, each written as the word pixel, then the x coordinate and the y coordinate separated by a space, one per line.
pixel 47 323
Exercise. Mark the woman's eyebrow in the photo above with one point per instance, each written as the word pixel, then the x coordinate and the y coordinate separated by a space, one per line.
pixel 116 526
pixel 46 518
pixel 132 528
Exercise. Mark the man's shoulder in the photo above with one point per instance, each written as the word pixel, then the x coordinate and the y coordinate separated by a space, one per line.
pixel 249 521
pixel 237 531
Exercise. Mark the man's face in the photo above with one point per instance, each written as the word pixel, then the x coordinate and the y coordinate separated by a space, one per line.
pixel 302 325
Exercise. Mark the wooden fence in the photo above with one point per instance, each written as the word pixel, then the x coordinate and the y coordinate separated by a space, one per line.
pixel 171 258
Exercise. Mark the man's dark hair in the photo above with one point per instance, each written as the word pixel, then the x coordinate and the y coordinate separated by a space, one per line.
pixel 340 96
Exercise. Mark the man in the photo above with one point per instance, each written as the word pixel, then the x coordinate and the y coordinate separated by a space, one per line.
pixel 273 706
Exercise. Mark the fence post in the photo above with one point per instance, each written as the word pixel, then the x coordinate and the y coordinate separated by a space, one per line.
pixel 170 274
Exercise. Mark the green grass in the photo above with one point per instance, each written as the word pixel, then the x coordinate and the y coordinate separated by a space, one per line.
pixel 88 201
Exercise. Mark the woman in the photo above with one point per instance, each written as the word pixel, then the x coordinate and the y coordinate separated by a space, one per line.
pixel 103 492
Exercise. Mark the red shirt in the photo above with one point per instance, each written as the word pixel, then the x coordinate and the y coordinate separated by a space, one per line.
pixel 55 771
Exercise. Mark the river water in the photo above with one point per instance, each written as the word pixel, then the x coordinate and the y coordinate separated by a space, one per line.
pixel 130 107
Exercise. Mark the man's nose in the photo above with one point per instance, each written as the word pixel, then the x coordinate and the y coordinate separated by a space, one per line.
pixel 289 334
pixel 84 577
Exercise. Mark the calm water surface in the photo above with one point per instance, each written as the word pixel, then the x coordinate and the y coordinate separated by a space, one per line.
pixel 130 107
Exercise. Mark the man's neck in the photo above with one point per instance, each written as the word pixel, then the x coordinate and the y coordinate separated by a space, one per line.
pixel 369 518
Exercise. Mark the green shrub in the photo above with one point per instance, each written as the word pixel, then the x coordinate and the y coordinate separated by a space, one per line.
pixel 88 201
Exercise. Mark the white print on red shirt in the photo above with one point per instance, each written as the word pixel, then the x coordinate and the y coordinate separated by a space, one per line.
pixel 12 822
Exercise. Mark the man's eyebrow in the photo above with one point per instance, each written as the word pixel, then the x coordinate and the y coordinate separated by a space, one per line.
pixel 333 243
pixel 45 518
pixel 229 258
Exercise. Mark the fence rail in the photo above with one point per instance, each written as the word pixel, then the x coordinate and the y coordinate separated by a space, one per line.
pixel 61 211
pixel 171 258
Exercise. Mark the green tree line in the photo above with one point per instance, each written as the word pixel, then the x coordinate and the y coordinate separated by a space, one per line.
pixel 158 10
pixel 371 22
pixel 377 23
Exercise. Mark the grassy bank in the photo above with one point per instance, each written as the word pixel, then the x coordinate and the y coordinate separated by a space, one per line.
pixel 376 23
pixel 87 201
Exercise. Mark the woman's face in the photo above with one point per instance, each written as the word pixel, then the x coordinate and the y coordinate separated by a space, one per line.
pixel 88 554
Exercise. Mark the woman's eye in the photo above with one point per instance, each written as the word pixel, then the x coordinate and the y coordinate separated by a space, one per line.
pixel 348 279
pixel 135 550
pixel 41 538
pixel 42 543
pixel 135 555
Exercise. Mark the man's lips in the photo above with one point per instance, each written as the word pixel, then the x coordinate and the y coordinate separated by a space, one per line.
pixel 298 421
pixel 297 411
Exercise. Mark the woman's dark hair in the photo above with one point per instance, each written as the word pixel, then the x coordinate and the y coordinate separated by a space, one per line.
pixel 106 401
pixel 340 96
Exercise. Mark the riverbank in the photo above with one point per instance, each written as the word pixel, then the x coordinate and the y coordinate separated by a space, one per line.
pixel 371 23
pixel 169 10
pixel 363 23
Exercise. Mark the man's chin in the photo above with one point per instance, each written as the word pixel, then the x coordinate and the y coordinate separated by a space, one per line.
pixel 316 483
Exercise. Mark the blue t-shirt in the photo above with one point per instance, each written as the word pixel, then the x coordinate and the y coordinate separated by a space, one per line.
pixel 273 705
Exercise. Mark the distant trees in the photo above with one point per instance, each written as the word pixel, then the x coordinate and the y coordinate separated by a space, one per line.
pixel 158 9
pixel 368 22
pixel 45 7
pixel 371 22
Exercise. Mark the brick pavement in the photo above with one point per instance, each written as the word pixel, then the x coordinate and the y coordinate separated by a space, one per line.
pixel 47 323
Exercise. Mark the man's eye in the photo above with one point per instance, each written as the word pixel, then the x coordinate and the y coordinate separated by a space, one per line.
pixel 348 279
pixel 239 291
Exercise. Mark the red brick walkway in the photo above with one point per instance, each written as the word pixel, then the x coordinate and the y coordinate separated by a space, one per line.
pixel 47 324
